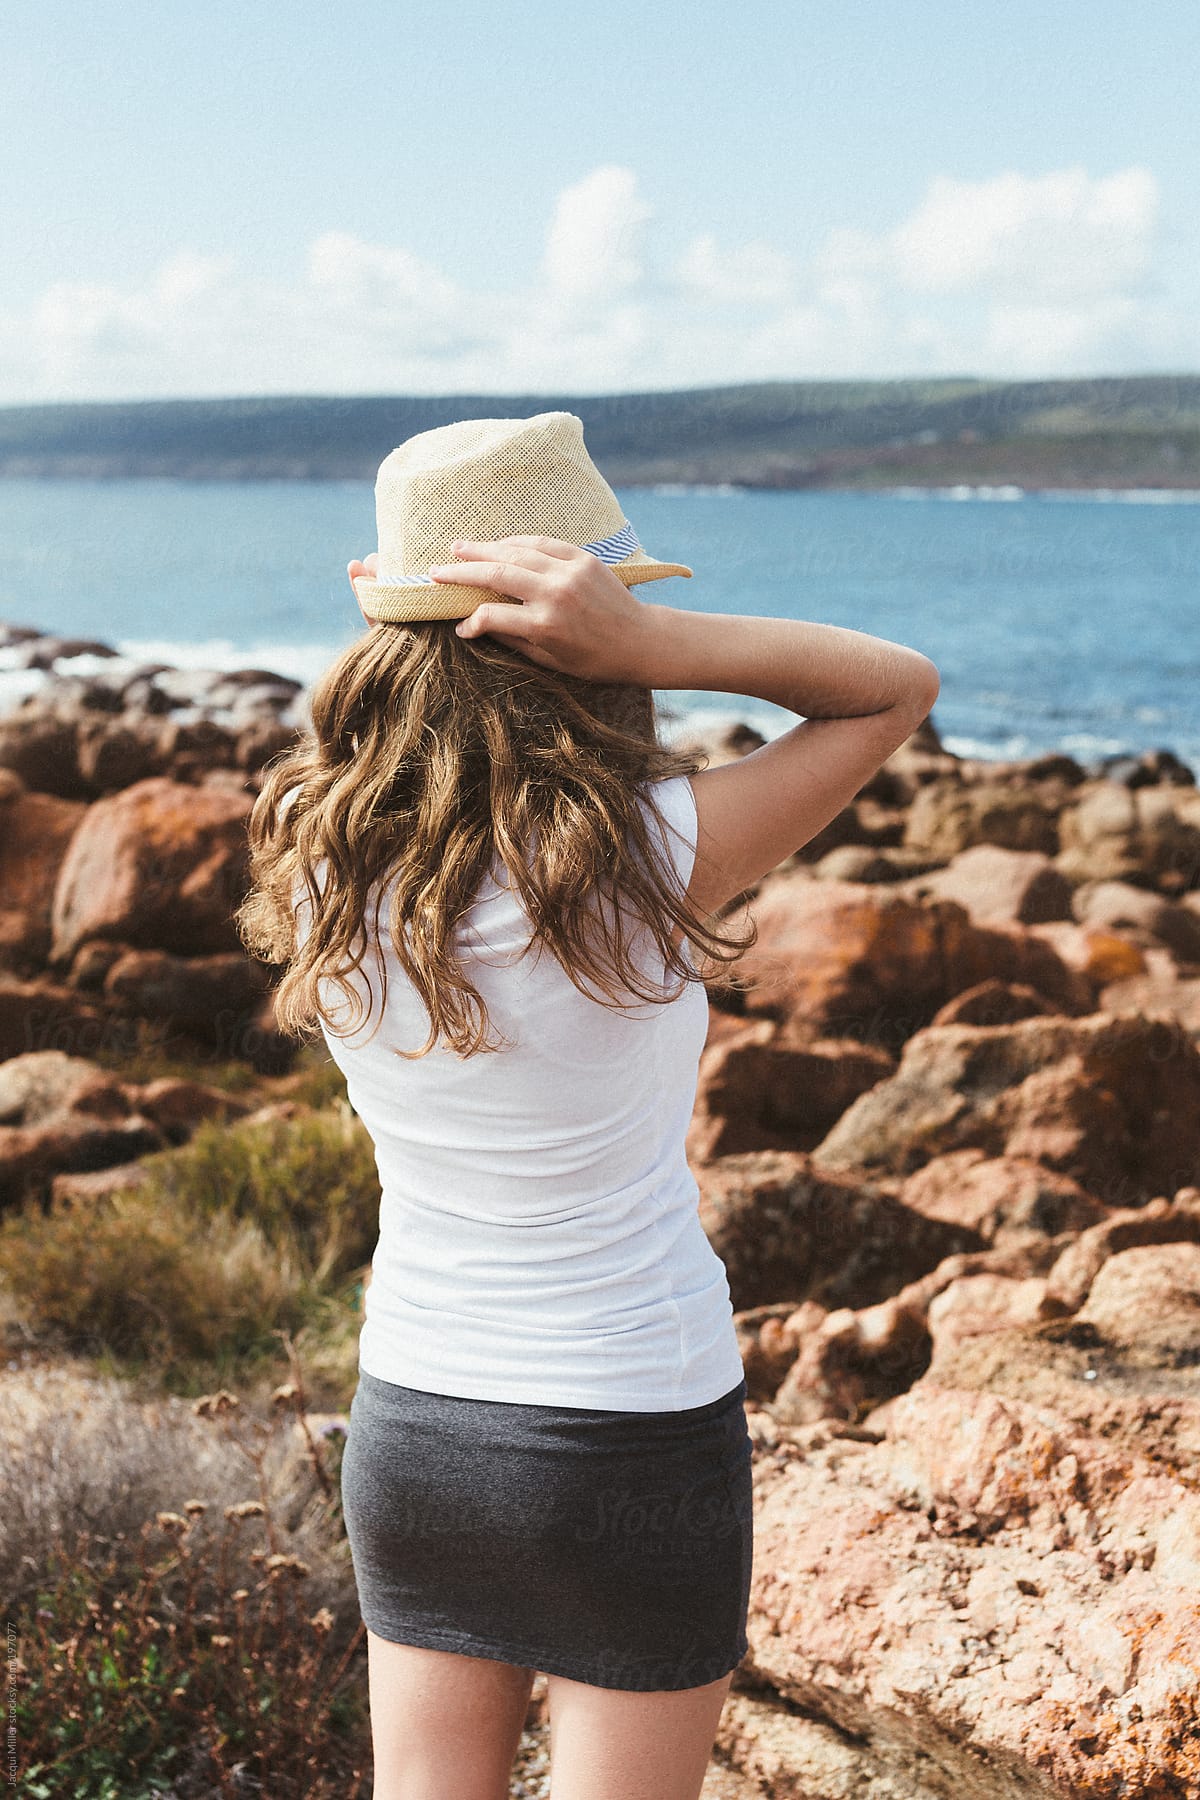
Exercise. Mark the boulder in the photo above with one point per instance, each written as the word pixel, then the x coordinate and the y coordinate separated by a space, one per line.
pixel 41 1015
pixel 1147 917
pixel 198 994
pixel 1112 1100
pixel 1005 1199
pixel 60 1112
pixel 994 1003
pixel 1161 1221
pixel 975 1304
pixel 1158 993
pixel 986 1601
pixel 852 1360
pixel 1097 953
pixel 787 1231
pixel 177 1106
pixel 999 886
pixel 1148 835
pixel 88 1186
pixel 948 817
pixel 843 959
pixel 161 865
pixel 1145 1304
pixel 114 753
pixel 40 749
pixel 758 1089
pixel 36 831
pixel 769 1339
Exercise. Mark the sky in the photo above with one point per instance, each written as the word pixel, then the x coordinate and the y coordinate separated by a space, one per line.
pixel 418 199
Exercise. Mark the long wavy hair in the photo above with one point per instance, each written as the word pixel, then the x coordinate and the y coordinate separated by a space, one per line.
pixel 431 756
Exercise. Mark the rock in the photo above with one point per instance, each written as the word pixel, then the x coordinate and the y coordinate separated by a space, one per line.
pixel 1093 951
pixel 855 862
pixel 177 1106
pixel 975 1304
pixel 1004 1199
pixel 39 1015
pixel 1147 916
pixel 769 1339
pixel 851 1360
pixel 758 1090
pixel 59 1112
pixel 1112 1100
pixel 870 863
pixel 986 1601
pixel 1148 834
pixel 1161 1221
pixel 1145 1304
pixel 922 758
pixel 65 1113
pixel 947 817
pixel 40 749
pixel 111 754
pixel 841 959
pixel 1147 768
pixel 36 832
pixel 993 1003
pixel 92 961
pixel 160 865
pixel 260 742
pixel 1157 995
pixel 720 743
pixel 44 1085
pixel 999 886
pixel 198 994
pixel 786 1231
pixel 1137 1390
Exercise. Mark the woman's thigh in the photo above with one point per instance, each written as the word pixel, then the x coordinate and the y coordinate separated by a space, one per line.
pixel 616 1744
pixel 443 1724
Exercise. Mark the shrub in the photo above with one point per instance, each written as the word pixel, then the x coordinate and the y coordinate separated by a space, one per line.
pixel 190 1658
pixel 247 1229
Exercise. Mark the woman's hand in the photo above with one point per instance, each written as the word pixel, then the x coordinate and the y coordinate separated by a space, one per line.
pixel 574 614
pixel 368 568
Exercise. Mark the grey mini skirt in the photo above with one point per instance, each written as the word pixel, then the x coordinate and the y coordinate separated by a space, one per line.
pixel 613 1548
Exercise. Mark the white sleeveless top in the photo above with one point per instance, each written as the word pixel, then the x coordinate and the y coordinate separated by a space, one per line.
pixel 539 1239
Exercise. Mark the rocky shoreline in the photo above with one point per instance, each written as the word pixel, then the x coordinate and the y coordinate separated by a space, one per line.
pixel 947 1138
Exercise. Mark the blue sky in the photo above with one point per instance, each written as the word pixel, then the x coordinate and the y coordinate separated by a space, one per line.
pixel 368 198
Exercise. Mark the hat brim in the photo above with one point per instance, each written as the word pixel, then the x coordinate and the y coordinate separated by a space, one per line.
pixel 392 603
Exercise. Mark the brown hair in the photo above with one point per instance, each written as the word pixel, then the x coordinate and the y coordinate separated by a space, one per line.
pixel 431 755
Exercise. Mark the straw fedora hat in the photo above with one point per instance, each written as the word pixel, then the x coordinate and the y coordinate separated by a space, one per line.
pixel 490 478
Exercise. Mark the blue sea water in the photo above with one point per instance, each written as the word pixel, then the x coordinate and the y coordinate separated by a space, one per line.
pixel 1058 622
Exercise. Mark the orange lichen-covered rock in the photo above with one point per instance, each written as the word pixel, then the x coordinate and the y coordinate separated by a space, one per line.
pixel 160 865
pixel 1111 1100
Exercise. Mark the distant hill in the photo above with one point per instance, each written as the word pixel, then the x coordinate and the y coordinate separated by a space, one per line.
pixel 1110 431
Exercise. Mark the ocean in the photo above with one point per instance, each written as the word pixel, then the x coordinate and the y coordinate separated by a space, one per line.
pixel 1058 621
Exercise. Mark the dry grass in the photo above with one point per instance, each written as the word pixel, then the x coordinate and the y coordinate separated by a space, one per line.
pixel 182 1593
pixel 249 1229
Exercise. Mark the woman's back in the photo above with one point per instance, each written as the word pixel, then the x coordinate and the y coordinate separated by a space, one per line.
pixel 539 1234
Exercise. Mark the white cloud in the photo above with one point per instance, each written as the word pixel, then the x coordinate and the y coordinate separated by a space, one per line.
pixel 756 274
pixel 1012 275
pixel 594 245
pixel 1059 235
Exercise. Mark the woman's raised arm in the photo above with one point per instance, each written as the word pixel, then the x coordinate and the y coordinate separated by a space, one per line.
pixel 859 696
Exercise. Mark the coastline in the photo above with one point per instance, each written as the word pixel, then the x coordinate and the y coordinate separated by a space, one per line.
pixel 946 1141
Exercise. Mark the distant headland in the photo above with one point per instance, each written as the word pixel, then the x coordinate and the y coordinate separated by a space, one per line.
pixel 1101 432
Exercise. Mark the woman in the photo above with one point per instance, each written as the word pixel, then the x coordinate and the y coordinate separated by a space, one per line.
pixel 497 876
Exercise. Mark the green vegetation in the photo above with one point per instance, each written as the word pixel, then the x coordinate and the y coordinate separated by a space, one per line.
pixel 247 1229
pixel 1104 431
